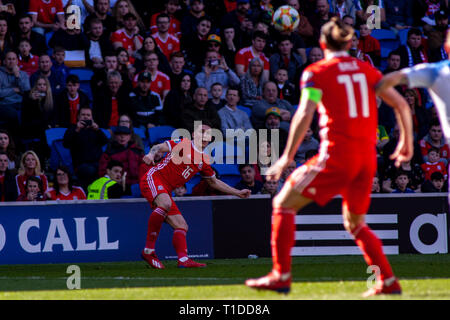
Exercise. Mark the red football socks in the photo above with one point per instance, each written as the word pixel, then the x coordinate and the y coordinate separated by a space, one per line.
pixel 372 250
pixel 283 238
pixel 179 242
pixel 154 226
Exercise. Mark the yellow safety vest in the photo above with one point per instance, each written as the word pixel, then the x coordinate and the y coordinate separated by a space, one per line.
pixel 99 188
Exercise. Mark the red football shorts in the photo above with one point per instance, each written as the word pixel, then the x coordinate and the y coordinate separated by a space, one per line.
pixel 153 185
pixel 348 172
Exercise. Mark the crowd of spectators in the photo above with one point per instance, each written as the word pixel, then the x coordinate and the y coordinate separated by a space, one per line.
pixel 172 62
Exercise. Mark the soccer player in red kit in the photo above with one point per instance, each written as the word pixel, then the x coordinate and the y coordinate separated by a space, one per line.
pixel 184 160
pixel 343 90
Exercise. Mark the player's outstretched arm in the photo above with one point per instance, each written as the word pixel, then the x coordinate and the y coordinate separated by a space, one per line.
pixel 404 150
pixel 391 80
pixel 300 123
pixel 149 158
pixel 223 187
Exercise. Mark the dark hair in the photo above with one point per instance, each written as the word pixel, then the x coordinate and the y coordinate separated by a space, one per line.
pixel 25 15
pixel 393 52
pixel 58 49
pixel 216 84
pixel 35 179
pixel 72 78
pixel 259 34
pixel 434 149
pixel 55 181
pixel 83 107
pixel 114 163
pixel 336 34
pixel 435 123
pixel 176 54
pixel 162 15
pixel 401 172
pixel 11 149
pixel 129 15
pixel 242 166
pixel 235 88
pixel 24 40
pixel 414 31
pixel 436 176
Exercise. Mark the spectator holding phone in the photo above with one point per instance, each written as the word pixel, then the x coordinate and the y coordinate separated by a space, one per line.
pixel 34 190
pixel 214 71
pixel 85 141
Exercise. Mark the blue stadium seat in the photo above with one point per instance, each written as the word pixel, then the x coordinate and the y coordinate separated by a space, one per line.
pixel 159 134
pixel 383 34
pixel 54 134
pixel 192 183
pixel 136 191
pixel 246 110
pixel 225 153
pixel 226 169
pixel 84 74
pixel 403 36
pixel 59 155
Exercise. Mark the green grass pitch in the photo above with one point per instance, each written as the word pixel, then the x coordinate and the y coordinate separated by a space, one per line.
pixel 317 278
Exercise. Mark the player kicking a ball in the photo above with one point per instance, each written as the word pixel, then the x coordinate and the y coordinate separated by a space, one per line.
pixel 184 159
pixel 342 89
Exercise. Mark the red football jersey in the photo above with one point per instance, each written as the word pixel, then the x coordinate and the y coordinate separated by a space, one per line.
pixel 245 55
pixel 46 10
pixel 430 168
pixel 127 41
pixel 21 182
pixel 182 163
pixel 30 66
pixel 174 25
pixel 167 47
pixel 348 109
pixel 159 84
pixel 444 150
pixel 76 194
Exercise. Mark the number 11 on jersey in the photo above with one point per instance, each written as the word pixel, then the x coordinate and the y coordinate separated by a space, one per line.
pixel 349 81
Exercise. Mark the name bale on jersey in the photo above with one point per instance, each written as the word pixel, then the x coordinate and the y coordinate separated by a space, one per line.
pixel 348 66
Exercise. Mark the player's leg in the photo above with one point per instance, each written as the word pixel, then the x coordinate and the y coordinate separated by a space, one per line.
pixel 180 227
pixel 285 206
pixel 356 202
pixel 155 193
pixel 372 249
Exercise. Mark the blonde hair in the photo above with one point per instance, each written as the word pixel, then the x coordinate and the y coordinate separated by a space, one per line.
pixel 335 34
pixel 37 170
pixel 132 10
pixel 48 101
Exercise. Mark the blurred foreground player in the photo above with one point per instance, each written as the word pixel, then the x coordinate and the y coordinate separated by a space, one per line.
pixel 433 76
pixel 184 160
pixel 342 88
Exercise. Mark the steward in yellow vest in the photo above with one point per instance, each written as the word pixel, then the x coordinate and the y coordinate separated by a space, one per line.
pixel 111 186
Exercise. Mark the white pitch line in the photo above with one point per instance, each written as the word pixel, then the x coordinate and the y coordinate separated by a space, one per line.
pixel 120 278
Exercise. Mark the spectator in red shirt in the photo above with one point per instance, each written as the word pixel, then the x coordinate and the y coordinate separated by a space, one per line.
pixel 168 43
pixel 170 8
pixel 435 139
pixel 128 37
pixel 34 190
pixel 29 166
pixel 160 82
pixel 69 101
pixel 27 62
pixel 245 55
pixel 369 44
pixel 47 15
pixel 63 188
pixel 434 164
